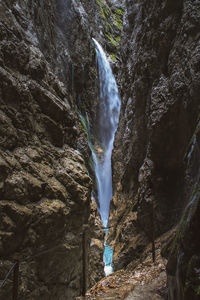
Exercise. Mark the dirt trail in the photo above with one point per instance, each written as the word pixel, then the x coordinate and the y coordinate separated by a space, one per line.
pixel 145 281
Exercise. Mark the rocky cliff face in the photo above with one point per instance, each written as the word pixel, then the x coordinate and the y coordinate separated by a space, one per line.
pixel 47 71
pixel 156 157
pixel 48 76
pixel 45 188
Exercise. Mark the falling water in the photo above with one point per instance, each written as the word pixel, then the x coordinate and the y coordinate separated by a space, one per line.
pixel 108 111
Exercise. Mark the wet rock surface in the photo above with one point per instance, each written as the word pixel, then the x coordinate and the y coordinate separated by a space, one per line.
pixel 159 104
pixel 47 76
pixel 44 183
pixel 183 253
pixel 155 151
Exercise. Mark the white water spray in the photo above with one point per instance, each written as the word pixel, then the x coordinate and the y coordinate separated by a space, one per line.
pixel 109 109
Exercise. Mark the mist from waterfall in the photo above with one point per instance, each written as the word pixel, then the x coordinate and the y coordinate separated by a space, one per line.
pixel 101 148
pixel 108 112
pixel 107 122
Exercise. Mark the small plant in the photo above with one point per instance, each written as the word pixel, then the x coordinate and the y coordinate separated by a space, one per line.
pixel 113 57
pixel 120 12
pixel 112 41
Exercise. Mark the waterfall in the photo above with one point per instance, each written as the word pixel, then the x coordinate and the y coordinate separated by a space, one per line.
pixel 109 109
pixel 108 112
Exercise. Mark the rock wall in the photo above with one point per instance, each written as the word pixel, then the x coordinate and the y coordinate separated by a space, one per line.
pixel 160 87
pixel 44 184
pixel 183 250
pixel 48 75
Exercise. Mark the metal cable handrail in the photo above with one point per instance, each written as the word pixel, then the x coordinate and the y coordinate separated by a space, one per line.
pixel 15 266
pixel 3 282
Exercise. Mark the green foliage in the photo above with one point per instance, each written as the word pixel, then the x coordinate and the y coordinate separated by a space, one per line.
pixel 104 11
pixel 118 38
pixel 84 123
pixel 118 18
pixel 111 18
pixel 86 126
pixel 118 24
pixel 120 12
pixel 112 41
pixel 113 57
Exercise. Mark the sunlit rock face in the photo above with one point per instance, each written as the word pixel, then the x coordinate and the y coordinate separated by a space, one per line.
pixel 44 184
pixel 47 71
pixel 154 173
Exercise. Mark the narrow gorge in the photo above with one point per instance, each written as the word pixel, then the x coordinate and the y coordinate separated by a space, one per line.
pixel 99 149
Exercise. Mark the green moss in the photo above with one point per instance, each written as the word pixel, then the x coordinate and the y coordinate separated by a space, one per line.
pixel 107 12
pixel 113 57
pixel 84 123
pixel 120 12
pixel 104 10
pixel 118 18
pixel 112 41
pixel 101 7
pixel 111 19
pixel 86 126
pixel 119 26
pixel 108 28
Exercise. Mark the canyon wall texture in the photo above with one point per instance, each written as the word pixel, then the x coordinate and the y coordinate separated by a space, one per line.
pixel 48 76
pixel 45 188
pixel 156 156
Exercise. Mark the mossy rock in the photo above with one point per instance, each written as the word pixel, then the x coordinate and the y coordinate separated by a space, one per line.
pixel 113 57
pixel 113 23
pixel 112 40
